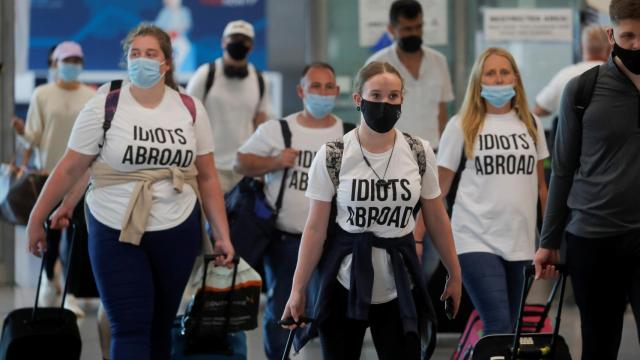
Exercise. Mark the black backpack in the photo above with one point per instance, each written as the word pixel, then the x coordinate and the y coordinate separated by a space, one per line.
pixel 211 76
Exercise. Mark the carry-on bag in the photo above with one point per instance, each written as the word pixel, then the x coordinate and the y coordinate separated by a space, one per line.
pixel 18 193
pixel 528 345
pixel 251 219
pixel 535 320
pixel 42 333
pixel 235 347
pixel 227 302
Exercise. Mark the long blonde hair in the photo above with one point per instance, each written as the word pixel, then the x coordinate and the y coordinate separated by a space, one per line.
pixel 474 109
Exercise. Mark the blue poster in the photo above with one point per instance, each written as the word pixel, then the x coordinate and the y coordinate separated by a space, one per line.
pixel 195 27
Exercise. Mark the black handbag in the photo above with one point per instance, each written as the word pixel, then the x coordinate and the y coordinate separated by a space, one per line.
pixel 251 219
pixel 18 194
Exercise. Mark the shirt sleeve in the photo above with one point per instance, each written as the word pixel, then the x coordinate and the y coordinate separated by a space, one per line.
pixel 430 185
pixel 320 186
pixel 566 159
pixel 549 97
pixel 451 145
pixel 195 86
pixel 87 133
pixel 34 121
pixel 202 128
pixel 541 141
pixel 264 141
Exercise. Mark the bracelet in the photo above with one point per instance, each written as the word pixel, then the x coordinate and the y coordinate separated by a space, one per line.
pixel 419 242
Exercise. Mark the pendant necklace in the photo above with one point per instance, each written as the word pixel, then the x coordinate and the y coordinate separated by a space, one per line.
pixel 382 182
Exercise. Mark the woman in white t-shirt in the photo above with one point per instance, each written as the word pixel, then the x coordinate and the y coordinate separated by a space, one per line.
pixel 371 275
pixel 494 215
pixel 152 181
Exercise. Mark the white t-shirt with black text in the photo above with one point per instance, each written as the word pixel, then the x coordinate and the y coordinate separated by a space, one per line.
pixel 143 138
pixel 496 203
pixel 363 206
pixel 268 141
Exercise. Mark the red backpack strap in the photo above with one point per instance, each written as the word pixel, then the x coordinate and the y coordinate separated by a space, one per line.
pixel 190 104
pixel 110 107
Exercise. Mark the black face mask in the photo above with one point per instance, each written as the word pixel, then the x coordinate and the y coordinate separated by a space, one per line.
pixel 410 44
pixel 237 50
pixel 380 116
pixel 233 71
pixel 630 58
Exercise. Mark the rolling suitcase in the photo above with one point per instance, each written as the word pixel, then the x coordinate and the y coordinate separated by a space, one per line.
pixel 42 333
pixel 527 345
pixel 535 320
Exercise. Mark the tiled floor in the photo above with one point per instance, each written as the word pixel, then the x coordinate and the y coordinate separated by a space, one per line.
pixel 11 298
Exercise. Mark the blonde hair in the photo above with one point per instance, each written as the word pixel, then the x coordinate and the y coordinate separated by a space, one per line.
pixel 372 69
pixel 474 109
pixel 148 29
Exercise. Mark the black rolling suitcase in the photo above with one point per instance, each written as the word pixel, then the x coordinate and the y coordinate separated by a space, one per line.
pixel 520 345
pixel 42 333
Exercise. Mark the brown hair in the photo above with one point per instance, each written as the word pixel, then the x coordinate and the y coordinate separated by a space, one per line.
pixel 474 109
pixel 148 29
pixel 623 10
pixel 372 69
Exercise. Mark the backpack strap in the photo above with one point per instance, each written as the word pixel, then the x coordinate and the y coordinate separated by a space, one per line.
pixel 586 84
pixel 115 85
pixel 110 106
pixel 286 136
pixel 334 151
pixel 418 152
pixel 210 76
pixel 260 83
pixel 190 105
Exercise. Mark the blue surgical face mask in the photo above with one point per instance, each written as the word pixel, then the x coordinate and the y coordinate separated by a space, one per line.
pixel 498 95
pixel 69 72
pixel 143 72
pixel 319 106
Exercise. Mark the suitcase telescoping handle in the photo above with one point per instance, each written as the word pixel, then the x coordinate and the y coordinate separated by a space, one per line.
pixel 529 273
pixel 287 322
pixel 47 229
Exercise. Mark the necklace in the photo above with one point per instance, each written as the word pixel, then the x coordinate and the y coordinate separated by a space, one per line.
pixel 382 182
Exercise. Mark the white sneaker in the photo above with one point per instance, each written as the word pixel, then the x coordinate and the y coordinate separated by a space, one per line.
pixel 48 292
pixel 71 303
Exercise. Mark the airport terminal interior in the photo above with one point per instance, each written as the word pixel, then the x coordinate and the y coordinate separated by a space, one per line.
pixel 219 45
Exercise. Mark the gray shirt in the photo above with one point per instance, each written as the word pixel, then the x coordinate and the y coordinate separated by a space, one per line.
pixel 595 183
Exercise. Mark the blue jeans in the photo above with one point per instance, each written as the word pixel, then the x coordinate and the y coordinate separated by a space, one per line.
pixel 495 288
pixel 430 257
pixel 279 266
pixel 141 286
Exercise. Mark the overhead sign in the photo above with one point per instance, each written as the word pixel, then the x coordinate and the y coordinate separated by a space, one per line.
pixel 374 19
pixel 528 24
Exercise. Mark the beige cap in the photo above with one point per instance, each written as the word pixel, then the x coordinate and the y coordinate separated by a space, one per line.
pixel 239 27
